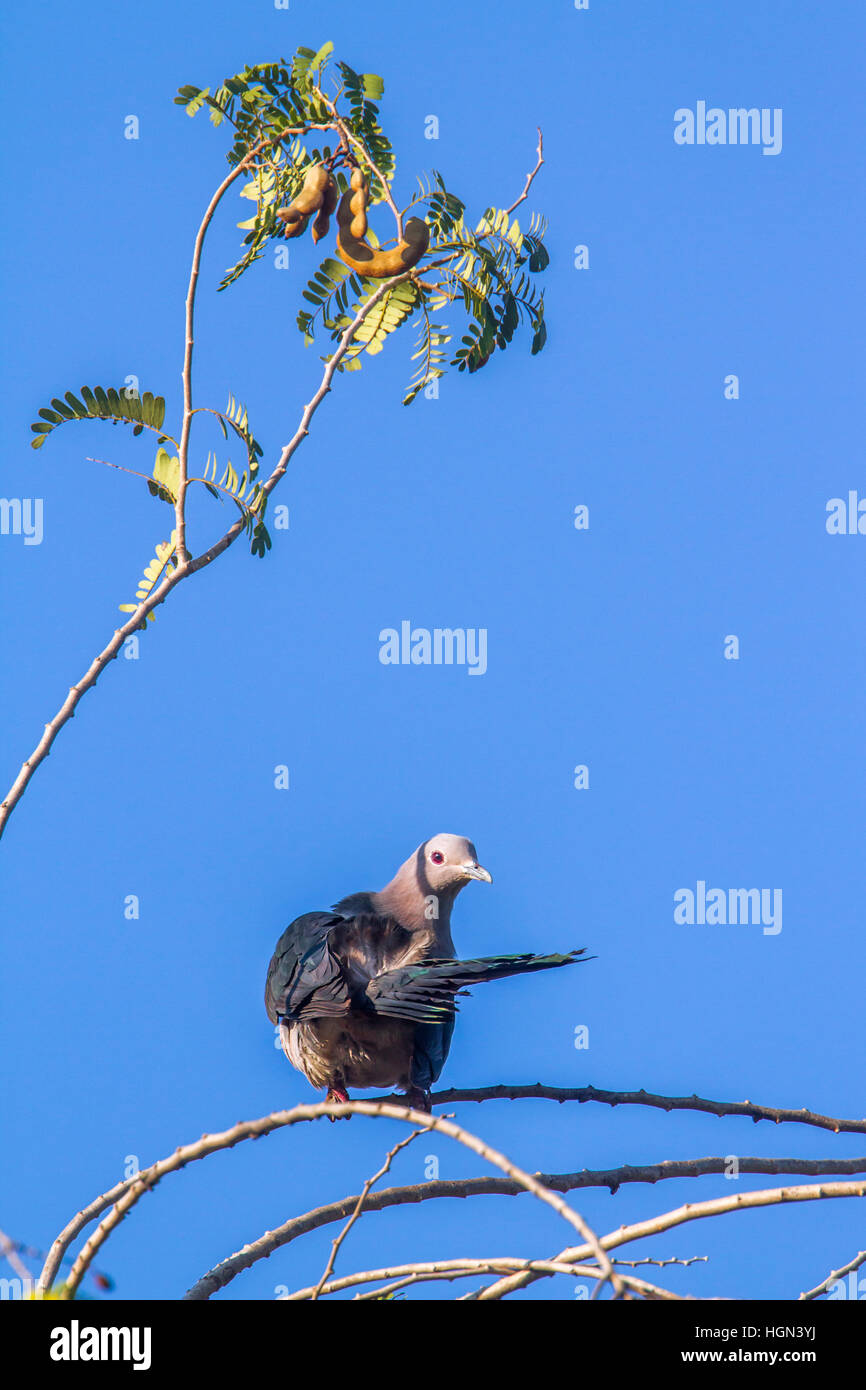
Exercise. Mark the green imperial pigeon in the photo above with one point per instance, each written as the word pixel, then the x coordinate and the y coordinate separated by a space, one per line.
pixel 364 994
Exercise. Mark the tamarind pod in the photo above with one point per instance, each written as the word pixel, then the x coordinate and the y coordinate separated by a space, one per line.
pixel 323 216
pixel 316 180
pixel 296 226
pixel 358 204
pixel 308 201
pixel 379 265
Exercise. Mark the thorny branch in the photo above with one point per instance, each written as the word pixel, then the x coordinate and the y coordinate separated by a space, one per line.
pixel 692 1211
pixel 464 1188
pixel 511 1184
pixel 538 1091
pixel 130 1191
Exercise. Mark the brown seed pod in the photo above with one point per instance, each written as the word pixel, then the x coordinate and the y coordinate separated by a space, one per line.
pixel 359 254
pixel 358 204
pixel 297 226
pixel 309 200
pixel 323 216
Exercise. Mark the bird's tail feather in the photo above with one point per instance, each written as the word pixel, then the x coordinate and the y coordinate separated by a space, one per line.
pixel 424 992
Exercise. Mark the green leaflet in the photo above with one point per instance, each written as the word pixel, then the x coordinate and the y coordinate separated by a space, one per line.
pixel 245 491
pixel 391 311
pixel 141 412
pixel 328 292
pixel 154 572
pixel 235 417
pixel 166 477
pixel 430 354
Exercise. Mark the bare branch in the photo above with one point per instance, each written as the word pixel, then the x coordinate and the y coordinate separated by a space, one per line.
pixel 189 342
pixel 423 1271
pixel 133 1189
pixel 660 1264
pixel 709 1107
pixel 692 1211
pixel 823 1287
pixel 464 1188
pixel 531 175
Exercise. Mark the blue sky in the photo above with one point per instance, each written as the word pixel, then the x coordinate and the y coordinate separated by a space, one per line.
pixel 605 646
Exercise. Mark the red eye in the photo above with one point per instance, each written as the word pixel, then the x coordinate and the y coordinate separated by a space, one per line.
pixel 437 857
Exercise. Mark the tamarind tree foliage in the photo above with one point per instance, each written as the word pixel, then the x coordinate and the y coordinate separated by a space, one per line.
pixel 275 111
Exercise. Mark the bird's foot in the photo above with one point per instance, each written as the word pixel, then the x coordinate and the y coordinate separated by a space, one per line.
pixel 337 1095
pixel 417 1099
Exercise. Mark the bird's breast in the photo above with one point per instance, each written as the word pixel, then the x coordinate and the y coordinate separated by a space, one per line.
pixel 356 1049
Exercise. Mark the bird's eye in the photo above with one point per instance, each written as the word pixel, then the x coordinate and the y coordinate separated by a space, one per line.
pixel 437 857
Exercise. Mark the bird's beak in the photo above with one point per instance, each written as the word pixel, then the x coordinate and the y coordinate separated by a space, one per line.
pixel 476 871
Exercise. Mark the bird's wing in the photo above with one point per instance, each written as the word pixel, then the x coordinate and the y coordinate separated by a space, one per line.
pixel 424 992
pixel 305 977
pixel 324 960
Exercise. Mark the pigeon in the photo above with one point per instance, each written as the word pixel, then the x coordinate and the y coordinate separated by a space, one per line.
pixel 364 994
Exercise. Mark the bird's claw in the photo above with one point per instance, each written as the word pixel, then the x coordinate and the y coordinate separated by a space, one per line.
pixel 337 1096
pixel 417 1099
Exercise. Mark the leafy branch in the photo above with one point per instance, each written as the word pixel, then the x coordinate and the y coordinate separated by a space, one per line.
pixel 274 112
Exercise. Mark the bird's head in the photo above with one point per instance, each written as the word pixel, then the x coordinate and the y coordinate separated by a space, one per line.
pixel 449 862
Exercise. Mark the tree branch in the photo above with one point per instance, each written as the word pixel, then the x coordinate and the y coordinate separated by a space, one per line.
pixel 254 1128
pixel 9 1251
pixel 538 1091
pixel 531 175
pixel 422 1271
pixel 858 1260
pixel 463 1188
pixel 134 1188
pixel 184 569
pixel 189 342
pixel 692 1211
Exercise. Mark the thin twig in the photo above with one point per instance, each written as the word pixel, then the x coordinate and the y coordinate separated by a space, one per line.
pixel 189 342
pixel 530 176
pixel 660 1264
pixel 823 1287
pixel 335 1244
pixel 9 1250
